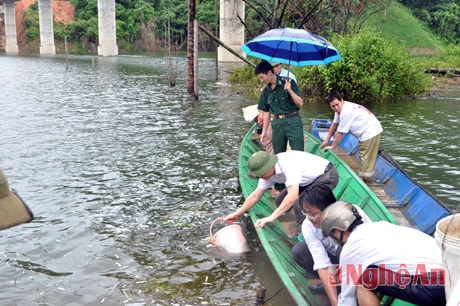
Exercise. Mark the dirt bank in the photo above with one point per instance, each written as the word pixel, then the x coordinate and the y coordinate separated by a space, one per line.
pixel 445 83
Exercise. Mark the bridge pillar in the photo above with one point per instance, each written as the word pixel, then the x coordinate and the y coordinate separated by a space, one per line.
pixel 231 30
pixel 45 16
pixel 11 40
pixel 107 28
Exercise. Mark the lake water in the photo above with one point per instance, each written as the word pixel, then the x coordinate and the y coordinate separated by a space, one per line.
pixel 125 174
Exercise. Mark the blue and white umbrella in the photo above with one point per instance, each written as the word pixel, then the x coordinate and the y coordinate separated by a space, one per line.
pixel 293 47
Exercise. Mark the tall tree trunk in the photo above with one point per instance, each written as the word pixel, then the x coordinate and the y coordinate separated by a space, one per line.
pixel 190 48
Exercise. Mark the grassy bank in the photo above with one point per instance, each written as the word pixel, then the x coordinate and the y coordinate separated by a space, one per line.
pixel 398 26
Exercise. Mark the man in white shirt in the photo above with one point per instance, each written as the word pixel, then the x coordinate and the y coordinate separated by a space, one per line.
pixel 357 120
pixel 318 254
pixel 296 169
pixel 381 258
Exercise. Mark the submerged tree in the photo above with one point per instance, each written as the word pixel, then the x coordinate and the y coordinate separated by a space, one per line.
pixel 191 48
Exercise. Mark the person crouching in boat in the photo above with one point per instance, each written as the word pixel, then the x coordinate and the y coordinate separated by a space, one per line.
pixel 317 254
pixel 381 258
pixel 297 170
pixel 357 120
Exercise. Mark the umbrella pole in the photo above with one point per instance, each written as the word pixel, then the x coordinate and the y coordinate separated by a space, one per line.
pixel 289 63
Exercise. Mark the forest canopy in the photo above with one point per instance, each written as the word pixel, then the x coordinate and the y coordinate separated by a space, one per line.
pixel 141 24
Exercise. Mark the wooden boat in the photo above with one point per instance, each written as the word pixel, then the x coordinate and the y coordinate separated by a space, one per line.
pixel 410 203
pixel 275 237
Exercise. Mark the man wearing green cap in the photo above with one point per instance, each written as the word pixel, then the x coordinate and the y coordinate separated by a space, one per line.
pixel 298 170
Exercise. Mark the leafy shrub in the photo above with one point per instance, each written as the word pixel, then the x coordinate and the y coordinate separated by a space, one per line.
pixel 32 31
pixel 246 76
pixel 32 34
pixel 372 69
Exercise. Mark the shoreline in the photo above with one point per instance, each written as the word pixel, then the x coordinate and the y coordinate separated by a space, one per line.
pixel 448 82
pixel 444 84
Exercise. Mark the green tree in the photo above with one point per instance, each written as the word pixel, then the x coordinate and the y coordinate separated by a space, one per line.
pixel 371 69
pixel 318 16
pixel 141 23
pixel 440 15
pixel 85 27
pixel 446 20
pixel 32 31
pixel 178 15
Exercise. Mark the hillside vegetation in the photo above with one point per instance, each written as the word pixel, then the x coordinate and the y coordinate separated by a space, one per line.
pixel 398 25
pixel 141 23
pixel 385 60
pixel 407 45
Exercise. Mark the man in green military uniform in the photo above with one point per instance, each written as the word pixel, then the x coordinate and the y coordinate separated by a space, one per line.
pixel 279 103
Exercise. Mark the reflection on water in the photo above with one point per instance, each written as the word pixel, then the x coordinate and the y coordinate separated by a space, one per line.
pixel 422 138
pixel 125 175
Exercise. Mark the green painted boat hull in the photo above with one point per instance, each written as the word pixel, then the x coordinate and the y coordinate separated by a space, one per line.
pixel 273 237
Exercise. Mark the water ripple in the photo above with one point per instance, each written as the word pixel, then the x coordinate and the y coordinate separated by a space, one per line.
pixel 125 175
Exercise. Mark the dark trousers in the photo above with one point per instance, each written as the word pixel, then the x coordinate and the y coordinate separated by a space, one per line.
pixel 427 289
pixel 303 257
pixel 330 178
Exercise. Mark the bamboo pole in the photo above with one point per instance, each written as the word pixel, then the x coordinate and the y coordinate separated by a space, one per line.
pixel 66 53
pixel 216 11
pixel 195 58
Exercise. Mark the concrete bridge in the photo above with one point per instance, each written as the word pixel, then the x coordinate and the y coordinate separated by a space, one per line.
pixel 231 31
pixel 107 28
